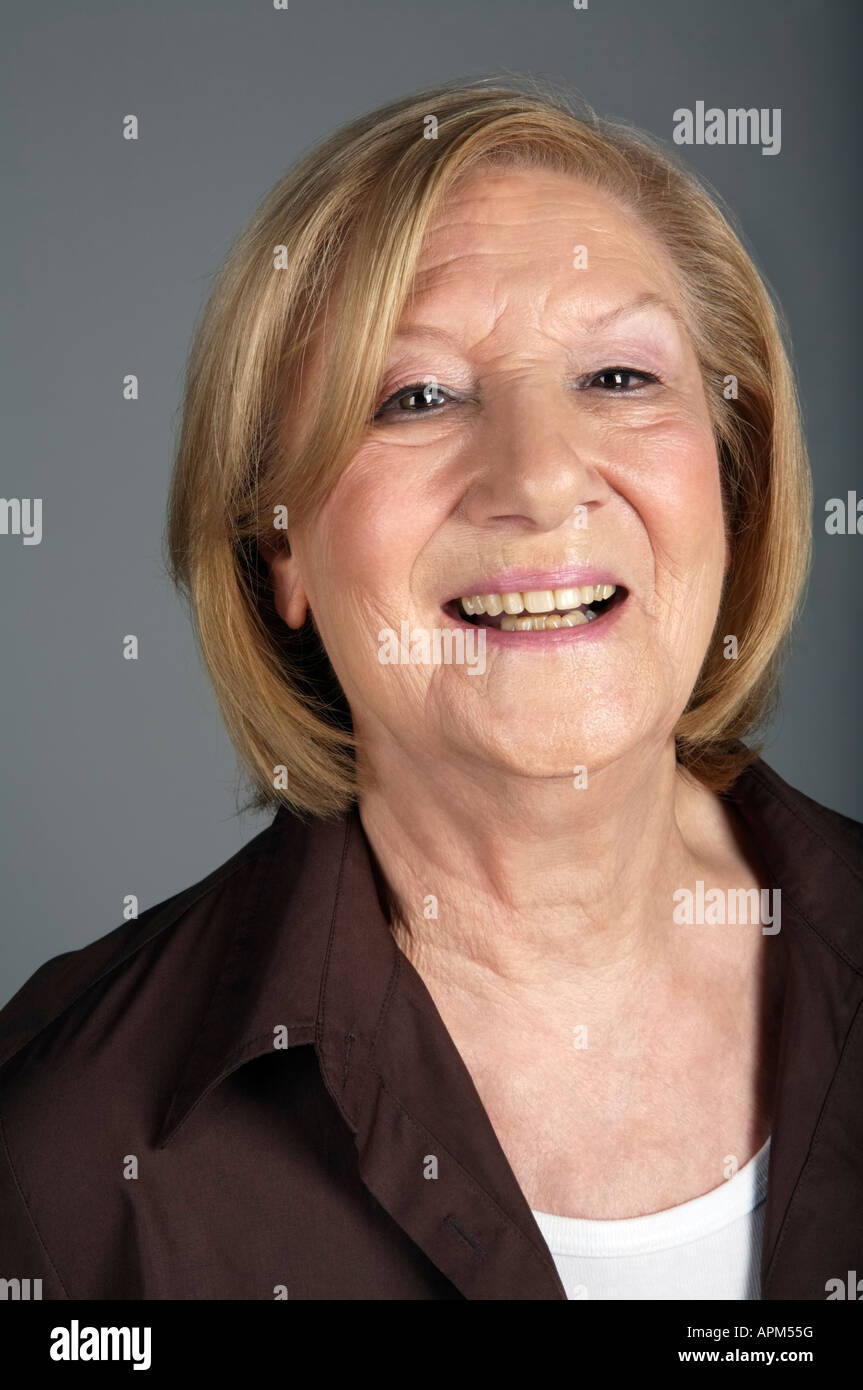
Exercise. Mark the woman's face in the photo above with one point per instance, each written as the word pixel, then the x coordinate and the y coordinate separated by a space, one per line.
pixel 529 466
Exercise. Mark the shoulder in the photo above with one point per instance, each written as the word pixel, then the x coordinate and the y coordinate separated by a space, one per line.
pixel 92 1048
pixel 814 855
pixel 841 835
pixel 132 960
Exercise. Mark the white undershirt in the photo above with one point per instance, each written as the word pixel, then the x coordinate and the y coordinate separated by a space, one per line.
pixel 707 1248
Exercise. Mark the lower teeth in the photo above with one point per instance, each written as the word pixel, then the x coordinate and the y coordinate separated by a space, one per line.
pixel 546 622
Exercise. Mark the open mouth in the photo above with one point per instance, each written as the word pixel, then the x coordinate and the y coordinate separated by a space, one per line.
pixel 537 610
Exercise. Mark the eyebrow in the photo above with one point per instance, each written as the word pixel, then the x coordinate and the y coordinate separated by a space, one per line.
pixel 647 300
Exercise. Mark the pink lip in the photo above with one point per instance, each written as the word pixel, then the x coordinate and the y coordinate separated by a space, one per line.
pixel 517 581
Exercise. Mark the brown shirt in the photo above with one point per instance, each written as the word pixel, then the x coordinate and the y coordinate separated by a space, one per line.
pixel 240 1094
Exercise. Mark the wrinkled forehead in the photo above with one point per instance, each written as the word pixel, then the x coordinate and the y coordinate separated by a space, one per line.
pixel 510 252
pixel 509 248
pixel 522 214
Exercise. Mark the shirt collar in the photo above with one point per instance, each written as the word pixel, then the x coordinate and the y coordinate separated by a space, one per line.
pixel 815 856
pixel 312 952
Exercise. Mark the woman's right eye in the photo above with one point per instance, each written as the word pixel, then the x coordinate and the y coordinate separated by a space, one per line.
pixel 420 398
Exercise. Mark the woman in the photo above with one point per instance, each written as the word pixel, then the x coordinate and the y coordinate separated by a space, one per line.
pixel 492 504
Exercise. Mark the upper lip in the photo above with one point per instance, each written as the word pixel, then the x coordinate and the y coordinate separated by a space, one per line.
pixel 527 581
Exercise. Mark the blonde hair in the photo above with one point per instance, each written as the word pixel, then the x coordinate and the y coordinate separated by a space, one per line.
pixel 355 209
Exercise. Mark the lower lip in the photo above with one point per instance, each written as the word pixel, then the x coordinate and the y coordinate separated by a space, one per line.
pixel 593 631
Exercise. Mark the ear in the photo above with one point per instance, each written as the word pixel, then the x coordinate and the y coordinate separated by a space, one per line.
pixel 289 596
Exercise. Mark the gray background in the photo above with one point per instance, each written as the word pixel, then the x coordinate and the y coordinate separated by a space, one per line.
pixel 117 776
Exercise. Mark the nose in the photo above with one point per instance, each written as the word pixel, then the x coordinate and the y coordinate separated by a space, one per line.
pixel 535 458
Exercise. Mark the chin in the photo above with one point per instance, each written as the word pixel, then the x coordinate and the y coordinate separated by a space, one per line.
pixel 553 749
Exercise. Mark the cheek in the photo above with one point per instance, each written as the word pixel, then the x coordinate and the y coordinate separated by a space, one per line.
pixel 370 531
pixel 671 477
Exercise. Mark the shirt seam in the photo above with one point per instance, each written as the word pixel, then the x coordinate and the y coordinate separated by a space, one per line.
pixel 816 1136
pixel 25 1204
pixel 373 1069
pixel 475 1186
pixel 245 916
pixel 813 830
pixel 320 1021
pixel 470 1180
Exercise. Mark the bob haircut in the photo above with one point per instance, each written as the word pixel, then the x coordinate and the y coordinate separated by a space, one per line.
pixel 345 226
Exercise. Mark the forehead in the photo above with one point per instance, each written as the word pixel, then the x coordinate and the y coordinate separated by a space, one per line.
pixel 538 240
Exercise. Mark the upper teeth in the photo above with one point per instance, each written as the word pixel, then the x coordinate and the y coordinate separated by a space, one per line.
pixel 536 600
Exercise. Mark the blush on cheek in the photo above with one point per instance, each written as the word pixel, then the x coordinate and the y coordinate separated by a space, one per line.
pixel 683 482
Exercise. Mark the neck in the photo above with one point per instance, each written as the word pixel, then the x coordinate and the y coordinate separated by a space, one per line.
pixel 525 880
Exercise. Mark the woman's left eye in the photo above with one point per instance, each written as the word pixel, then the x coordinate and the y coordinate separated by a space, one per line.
pixel 420 398
pixel 613 379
